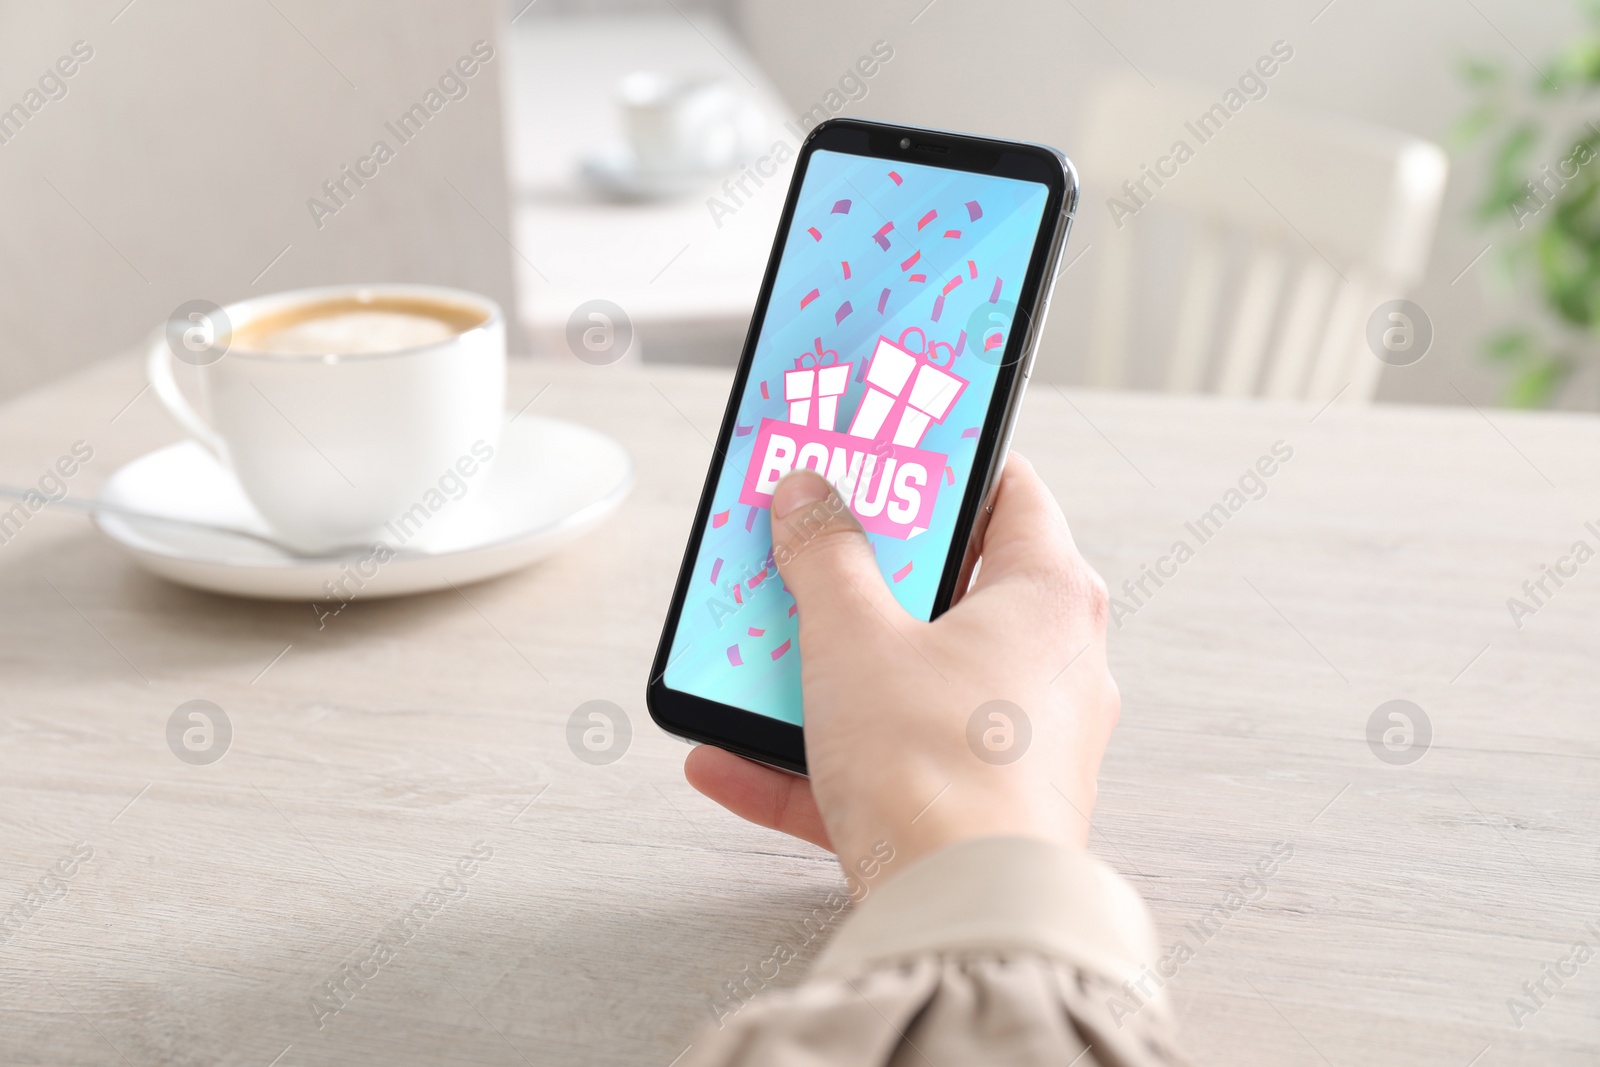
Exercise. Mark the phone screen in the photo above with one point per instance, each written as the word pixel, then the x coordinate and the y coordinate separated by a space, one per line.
pixel 874 364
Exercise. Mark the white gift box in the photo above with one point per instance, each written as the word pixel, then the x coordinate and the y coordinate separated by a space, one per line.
pixel 823 386
pixel 923 393
pixel 887 375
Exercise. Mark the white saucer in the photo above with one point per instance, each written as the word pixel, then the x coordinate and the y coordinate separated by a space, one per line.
pixel 616 174
pixel 551 482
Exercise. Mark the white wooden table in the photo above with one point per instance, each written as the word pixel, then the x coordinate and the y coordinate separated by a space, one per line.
pixel 370 756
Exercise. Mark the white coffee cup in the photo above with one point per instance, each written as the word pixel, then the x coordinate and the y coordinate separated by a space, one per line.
pixel 342 424
pixel 683 123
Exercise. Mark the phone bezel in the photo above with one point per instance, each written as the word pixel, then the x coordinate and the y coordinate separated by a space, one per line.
pixel 770 740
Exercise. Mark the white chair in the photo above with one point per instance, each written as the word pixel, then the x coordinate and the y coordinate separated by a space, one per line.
pixel 1276 241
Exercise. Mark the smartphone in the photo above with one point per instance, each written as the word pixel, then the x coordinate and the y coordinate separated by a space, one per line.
pixel 890 345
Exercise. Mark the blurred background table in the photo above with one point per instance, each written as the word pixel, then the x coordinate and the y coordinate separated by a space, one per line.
pixel 370 754
pixel 687 278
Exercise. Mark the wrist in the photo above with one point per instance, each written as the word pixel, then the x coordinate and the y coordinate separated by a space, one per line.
pixel 959 811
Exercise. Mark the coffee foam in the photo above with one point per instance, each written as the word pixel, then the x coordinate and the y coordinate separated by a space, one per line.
pixel 355 327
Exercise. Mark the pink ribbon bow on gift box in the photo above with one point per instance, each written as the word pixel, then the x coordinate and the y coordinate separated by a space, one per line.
pixel 825 381
pixel 908 388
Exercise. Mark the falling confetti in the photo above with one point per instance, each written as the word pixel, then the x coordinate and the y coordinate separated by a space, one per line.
pixel 970 431
pixel 929 217
pixel 900 574
pixel 734 657
pixel 719 519
pixel 742 431
pixel 972 268
pixel 846 265
pixel 778 652
pixel 793 608
pixel 952 233
pixel 812 295
pixel 749 521
pixel 994 296
pixel 716 569
pixel 843 313
pixel 951 284
pixel 840 207
pixel 883 299
pixel 917 278
pixel 974 210
pixel 738 593
pixel 816 234
pixel 949 475
pixel 938 307
pixel 758 579
pixel 993 342
pixel 756 632
pixel 911 260
pixel 895 178
pixel 882 236
pixel 764 394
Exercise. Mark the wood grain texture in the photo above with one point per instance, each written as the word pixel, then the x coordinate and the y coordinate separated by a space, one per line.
pixel 380 749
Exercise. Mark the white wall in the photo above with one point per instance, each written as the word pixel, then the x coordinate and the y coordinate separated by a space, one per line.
pixel 179 162
pixel 1021 69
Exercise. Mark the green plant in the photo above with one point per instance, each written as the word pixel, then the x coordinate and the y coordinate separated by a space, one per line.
pixel 1543 197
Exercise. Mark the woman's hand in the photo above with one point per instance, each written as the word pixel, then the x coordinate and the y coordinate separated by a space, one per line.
pixel 990 720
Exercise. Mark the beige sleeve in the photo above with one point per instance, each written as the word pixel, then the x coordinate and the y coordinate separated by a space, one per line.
pixel 1004 950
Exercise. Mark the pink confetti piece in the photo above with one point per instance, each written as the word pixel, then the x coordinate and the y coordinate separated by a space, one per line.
pixel 993 342
pixel 952 233
pixel 758 579
pixel 883 300
pixel 816 234
pixel 929 217
pixel 951 284
pixel 882 236
pixel 861 372
pixel 949 475
pixel 756 631
pixel 843 313
pixel 716 569
pixel 793 608
pixel 972 268
pixel 895 178
pixel 900 574
pixel 917 278
pixel 911 260
pixel 778 652
pixel 750 520
pixel 974 210
pixel 764 394
pixel 840 207
pixel 812 295
pixel 720 519
pixel 970 431
pixel 994 295
pixel 742 431
pixel 734 657
pixel 738 593
pixel 938 307
pixel 846 265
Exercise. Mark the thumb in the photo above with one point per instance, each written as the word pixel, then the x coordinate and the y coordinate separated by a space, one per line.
pixel 822 553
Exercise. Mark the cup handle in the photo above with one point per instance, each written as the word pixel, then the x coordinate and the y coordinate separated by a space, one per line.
pixel 158 368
